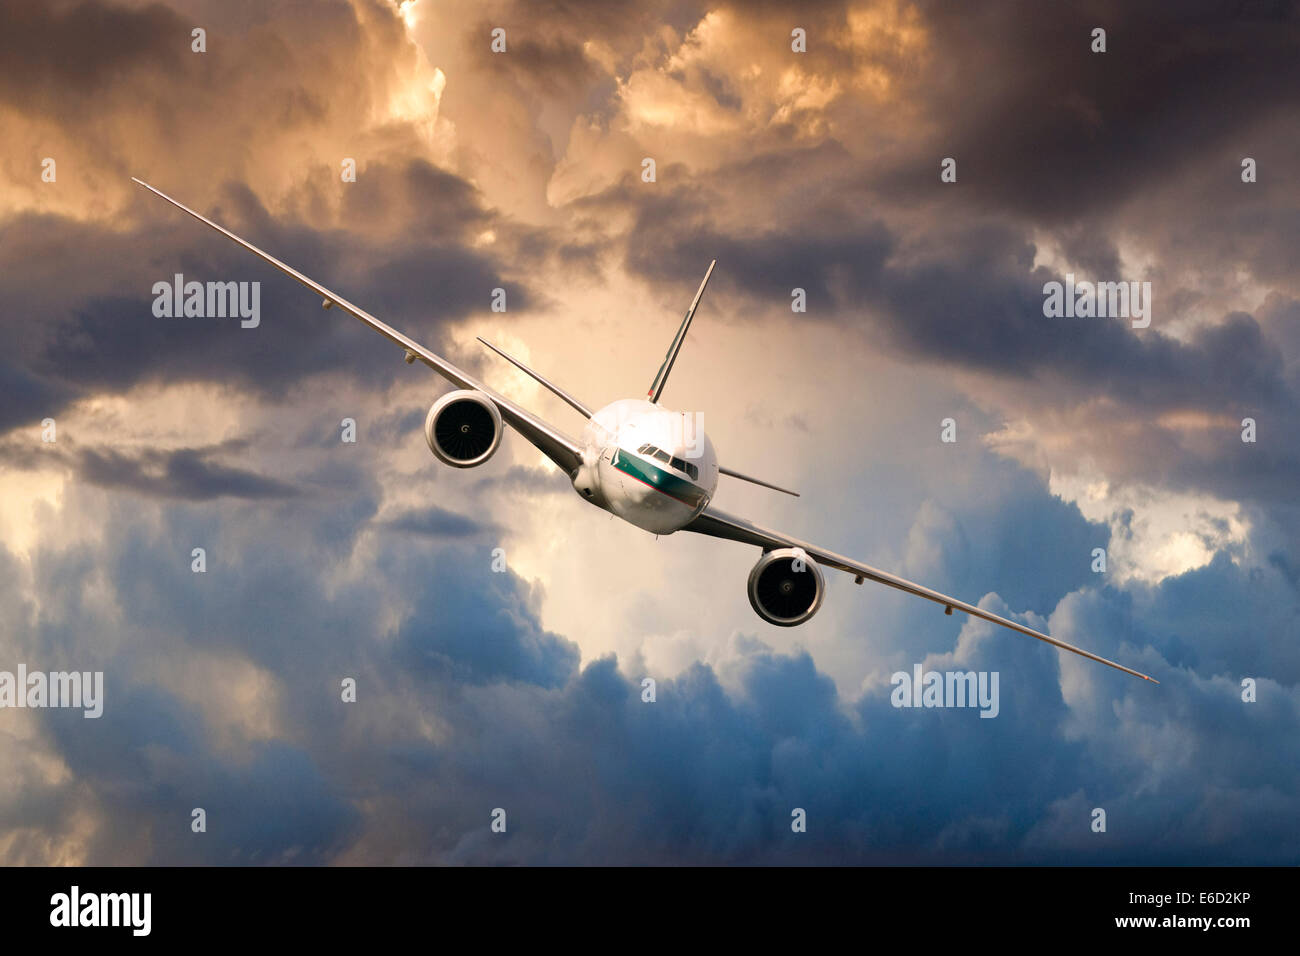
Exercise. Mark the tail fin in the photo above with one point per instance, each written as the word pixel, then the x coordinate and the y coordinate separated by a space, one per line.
pixel 657 386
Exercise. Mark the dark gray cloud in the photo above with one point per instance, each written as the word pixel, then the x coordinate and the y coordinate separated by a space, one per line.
pixel 56 57
pixel 554 64
pixel 29 398
pixel 436 522
pixel 192 473
pixel 189 473
pixel 1046 128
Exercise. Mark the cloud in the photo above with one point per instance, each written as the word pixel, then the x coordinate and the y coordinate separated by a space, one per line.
pixel 466 702
pixel 436 523
pixel 521 688
pixel 184 473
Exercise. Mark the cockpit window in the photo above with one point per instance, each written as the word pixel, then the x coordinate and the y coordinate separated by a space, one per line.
pixel 661 455
pixel 687 467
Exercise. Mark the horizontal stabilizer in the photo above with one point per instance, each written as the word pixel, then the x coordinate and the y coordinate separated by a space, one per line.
pixel 756 481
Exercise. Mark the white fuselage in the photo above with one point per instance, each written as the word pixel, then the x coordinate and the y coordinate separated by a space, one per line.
pixel 653 467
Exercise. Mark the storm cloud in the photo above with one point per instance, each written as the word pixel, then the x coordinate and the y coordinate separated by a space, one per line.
pixel 379 652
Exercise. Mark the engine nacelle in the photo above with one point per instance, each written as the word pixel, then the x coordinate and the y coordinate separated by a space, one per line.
pixel 463 428
pixel 786 587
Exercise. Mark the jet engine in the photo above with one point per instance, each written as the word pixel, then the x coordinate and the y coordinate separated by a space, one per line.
pixel 786 587
pixel 463 428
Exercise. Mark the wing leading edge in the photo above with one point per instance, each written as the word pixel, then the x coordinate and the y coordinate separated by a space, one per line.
pixel 719 524
pixel 552 442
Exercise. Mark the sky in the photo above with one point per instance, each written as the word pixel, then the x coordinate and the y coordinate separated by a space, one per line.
pixel 499 630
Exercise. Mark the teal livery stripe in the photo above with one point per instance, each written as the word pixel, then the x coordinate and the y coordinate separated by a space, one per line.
pixel 660 480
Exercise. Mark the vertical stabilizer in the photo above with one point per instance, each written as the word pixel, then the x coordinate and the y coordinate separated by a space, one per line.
pixel 657 386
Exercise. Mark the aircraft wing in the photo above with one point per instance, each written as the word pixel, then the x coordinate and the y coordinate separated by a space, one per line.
pixel 552 442
pixel 719 524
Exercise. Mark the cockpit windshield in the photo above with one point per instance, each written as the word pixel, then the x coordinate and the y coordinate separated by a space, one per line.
pixel 660 455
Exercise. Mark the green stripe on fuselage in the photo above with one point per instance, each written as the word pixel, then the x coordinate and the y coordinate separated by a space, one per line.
pixel 672 485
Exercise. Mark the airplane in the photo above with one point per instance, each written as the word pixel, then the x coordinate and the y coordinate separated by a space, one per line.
pixel 636 459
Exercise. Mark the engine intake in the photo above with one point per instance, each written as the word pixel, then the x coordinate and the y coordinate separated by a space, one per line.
pixel 463 428
pixel 786 587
